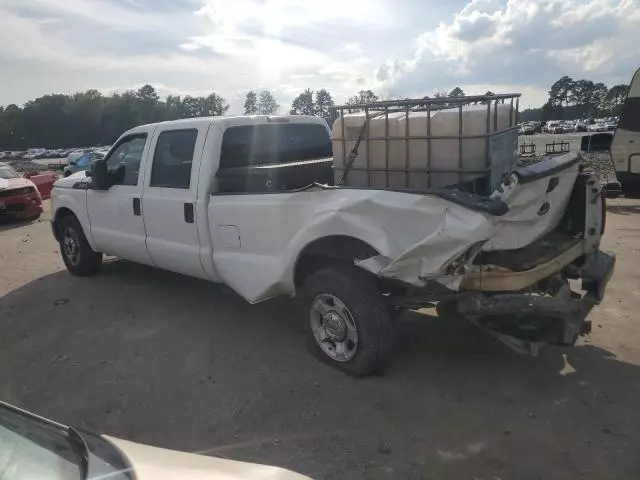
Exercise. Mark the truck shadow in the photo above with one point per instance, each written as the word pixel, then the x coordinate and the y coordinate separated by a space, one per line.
pixel 180 363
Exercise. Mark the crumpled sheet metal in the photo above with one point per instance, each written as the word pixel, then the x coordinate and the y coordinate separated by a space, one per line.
pixel 454 232
pixel 534 210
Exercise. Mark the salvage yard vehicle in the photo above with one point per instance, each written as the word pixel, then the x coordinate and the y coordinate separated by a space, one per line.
pixel 19 197
pixel 527 129
pixel 82 163
pixel 35 447
pixel 411 203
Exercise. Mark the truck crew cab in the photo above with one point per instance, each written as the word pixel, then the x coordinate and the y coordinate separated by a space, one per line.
pixel 250 202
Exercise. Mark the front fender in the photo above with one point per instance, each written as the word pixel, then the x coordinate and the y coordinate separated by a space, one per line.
pixel 74 200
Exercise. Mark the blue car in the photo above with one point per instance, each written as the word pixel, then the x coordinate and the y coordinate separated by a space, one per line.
pixel 82 163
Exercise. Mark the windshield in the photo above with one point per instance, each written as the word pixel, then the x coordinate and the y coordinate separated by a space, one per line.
pixel 35 449
pixel 6 171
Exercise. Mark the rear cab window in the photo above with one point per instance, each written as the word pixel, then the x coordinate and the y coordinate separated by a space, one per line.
pixel 274 157
pixel 277 143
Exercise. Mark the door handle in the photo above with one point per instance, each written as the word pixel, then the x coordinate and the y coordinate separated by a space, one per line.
pixel 136 207
pixel 188 212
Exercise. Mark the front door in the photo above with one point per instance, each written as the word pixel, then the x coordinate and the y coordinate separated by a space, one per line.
pixel 169 200
pixel 116 214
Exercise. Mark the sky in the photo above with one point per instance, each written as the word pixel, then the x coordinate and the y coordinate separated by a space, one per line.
pixel 403 48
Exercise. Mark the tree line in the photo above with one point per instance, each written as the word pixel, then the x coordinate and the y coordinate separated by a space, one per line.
pixel 571 99
pixel 90 118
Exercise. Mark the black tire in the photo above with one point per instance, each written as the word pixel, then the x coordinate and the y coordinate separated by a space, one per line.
pixel 81 260
pixel 366 307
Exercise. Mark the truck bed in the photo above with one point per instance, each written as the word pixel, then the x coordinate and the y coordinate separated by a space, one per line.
pixel 539 252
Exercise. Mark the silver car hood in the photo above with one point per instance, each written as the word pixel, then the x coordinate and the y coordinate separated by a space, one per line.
pixel 153 463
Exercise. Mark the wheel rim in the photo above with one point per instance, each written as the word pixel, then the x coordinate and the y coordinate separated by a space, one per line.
pixel 71 245
pixel 334 328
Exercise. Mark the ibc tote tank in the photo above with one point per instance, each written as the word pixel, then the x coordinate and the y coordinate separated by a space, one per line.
pixel 368 169
pixel 443 154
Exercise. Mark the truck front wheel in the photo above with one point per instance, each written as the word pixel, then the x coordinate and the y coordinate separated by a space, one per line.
pixel 77 254
pixel 350 323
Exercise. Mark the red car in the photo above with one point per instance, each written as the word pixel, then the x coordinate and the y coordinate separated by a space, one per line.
pixel 19 197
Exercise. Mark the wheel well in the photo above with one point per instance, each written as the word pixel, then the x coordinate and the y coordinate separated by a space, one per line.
pixel 333 250
pixel 61 213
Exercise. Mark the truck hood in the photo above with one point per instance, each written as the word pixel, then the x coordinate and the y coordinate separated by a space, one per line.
pixel 153 463
pixel 71 180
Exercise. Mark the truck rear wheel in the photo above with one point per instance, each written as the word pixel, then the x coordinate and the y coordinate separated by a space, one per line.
pixel 350 323
pixel 77 254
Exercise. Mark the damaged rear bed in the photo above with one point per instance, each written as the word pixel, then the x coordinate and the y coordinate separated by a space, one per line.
pixel 532 273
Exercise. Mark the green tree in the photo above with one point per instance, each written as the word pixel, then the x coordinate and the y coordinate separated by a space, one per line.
pixel 560 93
pixel 614 99
pixel 267 104
pixel 324 106
pixel 303 104
pixel 362 97
pixel 456 92
pixel 12 133
pixel 214 105
pixel 119 114
pixel 173 107
pixel 251 103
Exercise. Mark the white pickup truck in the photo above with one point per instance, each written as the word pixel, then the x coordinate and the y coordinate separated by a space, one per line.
pixel 210 198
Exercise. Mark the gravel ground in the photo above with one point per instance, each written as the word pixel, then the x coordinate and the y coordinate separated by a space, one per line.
pixel 180 363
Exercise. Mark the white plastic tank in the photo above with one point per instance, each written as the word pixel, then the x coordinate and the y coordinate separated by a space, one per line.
pixel 443 154
pixel 370 157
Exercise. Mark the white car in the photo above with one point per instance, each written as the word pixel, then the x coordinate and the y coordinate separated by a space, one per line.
pixel 553 126
pixel 527 129
pixel 241 201
pixel 33 447
pixel 598 127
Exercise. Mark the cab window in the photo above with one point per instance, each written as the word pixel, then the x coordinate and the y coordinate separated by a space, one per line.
pixel 275 143
pixel 173 159
pixel 124 162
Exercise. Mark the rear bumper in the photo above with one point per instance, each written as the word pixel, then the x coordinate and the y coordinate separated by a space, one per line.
pixel 561 318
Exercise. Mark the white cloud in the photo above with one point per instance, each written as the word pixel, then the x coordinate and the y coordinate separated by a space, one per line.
pixel 198 46
pixel 524 44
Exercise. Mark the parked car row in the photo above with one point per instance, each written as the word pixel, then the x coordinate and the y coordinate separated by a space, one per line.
pixel 41 153
pixel 607 124
pixel 83 161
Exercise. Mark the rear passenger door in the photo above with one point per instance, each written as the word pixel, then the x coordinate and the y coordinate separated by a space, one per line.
pixel 168 202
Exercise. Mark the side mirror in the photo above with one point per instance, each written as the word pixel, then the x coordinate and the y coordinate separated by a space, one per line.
pixel 100 175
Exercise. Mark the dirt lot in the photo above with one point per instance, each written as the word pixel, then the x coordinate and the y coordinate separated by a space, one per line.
pixel 180 363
